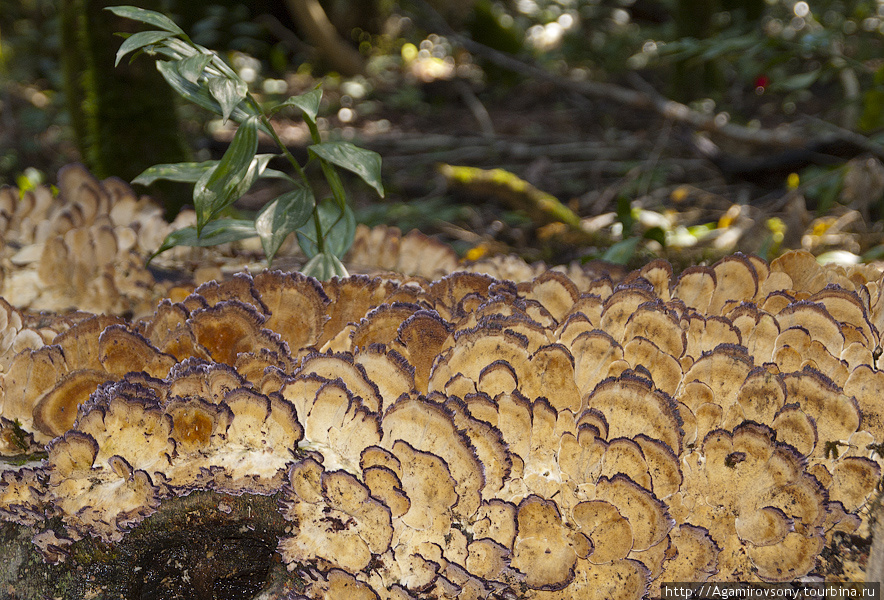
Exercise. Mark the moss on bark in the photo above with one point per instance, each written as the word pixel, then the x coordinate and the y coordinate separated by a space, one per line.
pixel 124 118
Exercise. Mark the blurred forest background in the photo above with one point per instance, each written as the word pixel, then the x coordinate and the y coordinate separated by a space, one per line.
pixel 557 129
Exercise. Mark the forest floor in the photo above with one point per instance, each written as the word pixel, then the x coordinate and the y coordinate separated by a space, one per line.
pixel 626 173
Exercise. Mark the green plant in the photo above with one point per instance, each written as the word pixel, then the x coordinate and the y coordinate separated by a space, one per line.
pixel 324 229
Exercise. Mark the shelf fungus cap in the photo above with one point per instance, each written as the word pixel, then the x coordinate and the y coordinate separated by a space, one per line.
pixel 136 429
pixel 631 406
pixel 56 411
pixel 261 439
pixel 336 520
pixel 610 532
pixel 429 427
pixel 648 517
pixel 101 500
pixel 296 305
pixel 429 487
pixel 545 550
pixel 232 327
pixel 23 495
pixel 121 351
pixel 341 366
pixel 339 427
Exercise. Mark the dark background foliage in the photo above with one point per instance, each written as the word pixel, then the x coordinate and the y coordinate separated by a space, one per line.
pixel 514 84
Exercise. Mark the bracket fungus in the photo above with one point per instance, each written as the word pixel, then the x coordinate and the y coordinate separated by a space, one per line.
pixel 563 436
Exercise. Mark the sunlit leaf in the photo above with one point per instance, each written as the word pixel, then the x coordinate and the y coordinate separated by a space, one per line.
pixel 194 93
pixel 338 230
pixel 193 66
pixel 146 16
pixel 308 103
pixel 184 172
pixel 176 49
pixel 256 168
pixel 139 40
pixel 801 81
pixel 228 93
pixel 217 232
pixel 283 216
pixel 365 163
pixel 324 266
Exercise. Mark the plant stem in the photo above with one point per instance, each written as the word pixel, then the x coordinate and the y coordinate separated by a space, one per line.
pixel 320 237
pixel 285 151
pixel 331 175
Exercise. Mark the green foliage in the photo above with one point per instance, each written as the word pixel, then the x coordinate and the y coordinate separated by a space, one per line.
pixel 324 229
pixel 635 235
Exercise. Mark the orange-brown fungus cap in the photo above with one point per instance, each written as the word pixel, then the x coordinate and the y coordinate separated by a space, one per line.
pixel 231 327
pixel 56 410
pixel 121 351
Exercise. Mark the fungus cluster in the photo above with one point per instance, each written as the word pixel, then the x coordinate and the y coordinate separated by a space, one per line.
pixel 471 437
pixel 83 249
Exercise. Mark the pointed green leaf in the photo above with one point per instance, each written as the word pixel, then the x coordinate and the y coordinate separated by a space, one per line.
pixel 224 69
pixel 209 202
pixel 147 16
pixel 193 92
pixel 184 172
pixel 338 230
pixel 283 216
pixel 139 40
pixel 365 163
pixel 256 168
pixel 217 232
pixel 228 93
pixel 622 252
pixel 216 189
pixel 275 174
pixel 193 66
pixel 204 199
pixel 324 266
pixel 308 103
pixel 175 49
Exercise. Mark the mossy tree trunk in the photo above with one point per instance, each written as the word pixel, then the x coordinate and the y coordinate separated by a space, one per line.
pixel 124 117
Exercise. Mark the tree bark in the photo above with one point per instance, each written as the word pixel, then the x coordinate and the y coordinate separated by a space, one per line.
pixel 202 546
pixel 124 118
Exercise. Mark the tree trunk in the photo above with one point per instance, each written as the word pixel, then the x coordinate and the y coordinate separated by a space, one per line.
pixel 124 118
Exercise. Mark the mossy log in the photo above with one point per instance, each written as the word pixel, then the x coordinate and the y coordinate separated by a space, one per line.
pixel 202 546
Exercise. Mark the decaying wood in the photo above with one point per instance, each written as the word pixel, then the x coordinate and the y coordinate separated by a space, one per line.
pixel 205 545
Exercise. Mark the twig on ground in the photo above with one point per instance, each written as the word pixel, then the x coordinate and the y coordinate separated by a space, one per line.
pixel 480 113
